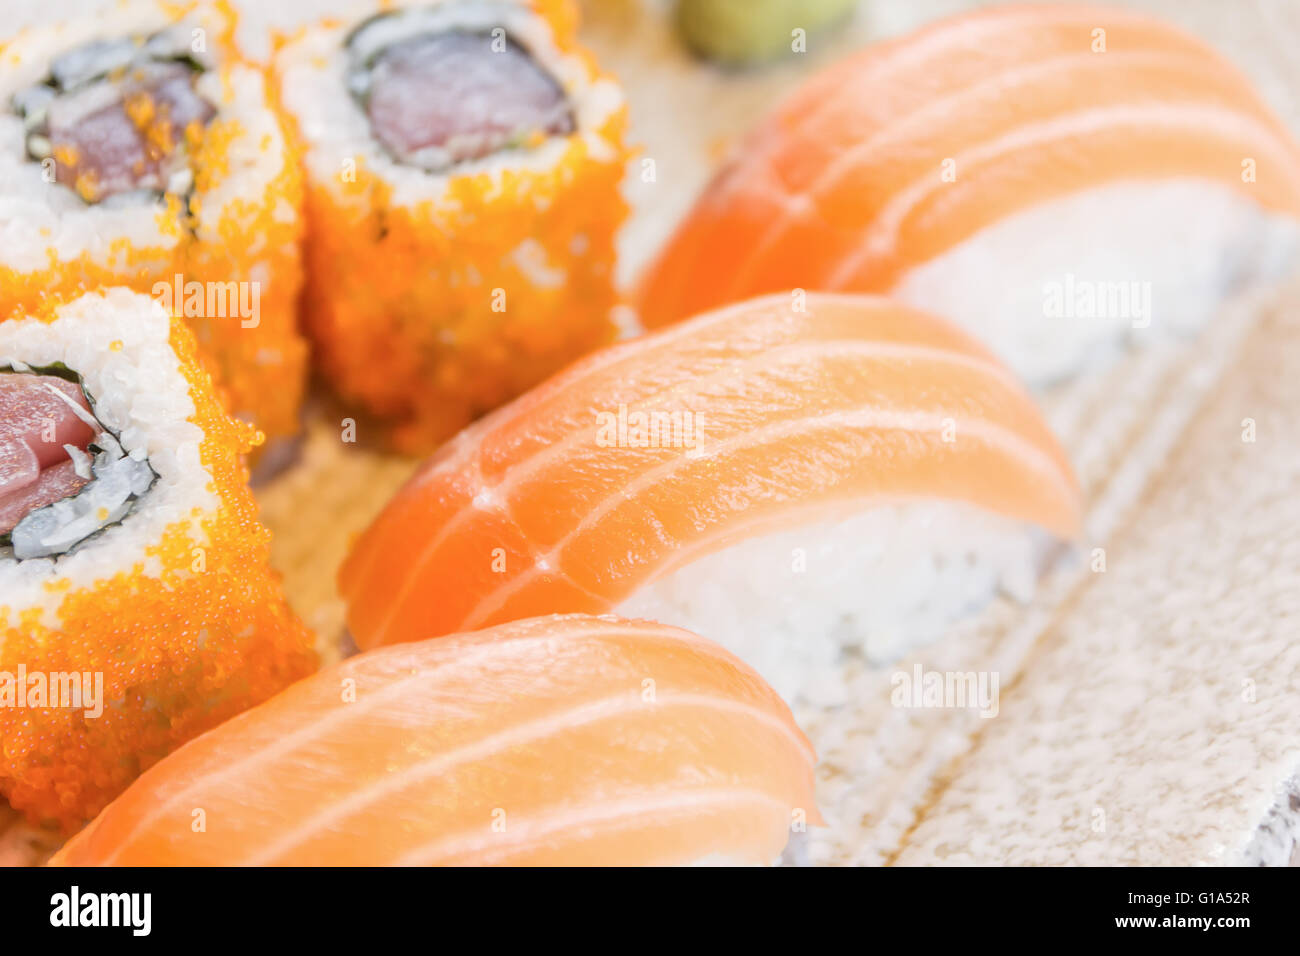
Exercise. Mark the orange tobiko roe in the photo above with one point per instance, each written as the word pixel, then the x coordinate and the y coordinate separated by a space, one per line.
pixel 400 299
pixel 181 647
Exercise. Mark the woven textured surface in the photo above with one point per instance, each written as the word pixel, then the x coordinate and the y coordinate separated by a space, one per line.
pixel 885 772
pixel 1157 444
pixel 1155 722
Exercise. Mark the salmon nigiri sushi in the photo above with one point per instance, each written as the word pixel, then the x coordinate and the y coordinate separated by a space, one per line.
pixel 559 740
pixel 1059 179
pixel 790 476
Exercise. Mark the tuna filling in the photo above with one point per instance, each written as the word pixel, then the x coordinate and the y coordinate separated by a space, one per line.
pixel 118 116
pixel 63 475
pixel 437 99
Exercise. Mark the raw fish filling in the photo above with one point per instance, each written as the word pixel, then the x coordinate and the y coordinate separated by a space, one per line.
pixel 118 116
pixel 434 100
pixel 37 429
pixel 63 476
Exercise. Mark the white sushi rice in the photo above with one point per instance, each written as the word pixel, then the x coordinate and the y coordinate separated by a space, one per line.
pixel 117 342
pixel 314 85
pixel 874 585
pixel 1188 243
pixel 37 217
pixel 1276 842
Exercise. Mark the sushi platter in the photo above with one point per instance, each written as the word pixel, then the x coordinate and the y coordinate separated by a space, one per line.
pixel 872 446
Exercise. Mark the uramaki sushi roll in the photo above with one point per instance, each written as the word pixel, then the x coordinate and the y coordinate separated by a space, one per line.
pixel 463 163
pixel 137 149
pixel 137 607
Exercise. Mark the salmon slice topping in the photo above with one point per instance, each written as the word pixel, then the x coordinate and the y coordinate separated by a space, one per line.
pixel 596 740
pixel 438 99
pixel 767 413
pixel 37 421
pixel 892 157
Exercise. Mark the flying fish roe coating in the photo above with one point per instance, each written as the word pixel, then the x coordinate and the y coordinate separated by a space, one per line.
pixel 197 633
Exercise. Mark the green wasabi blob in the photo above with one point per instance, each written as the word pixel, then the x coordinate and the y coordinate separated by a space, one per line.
pixel 749 31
